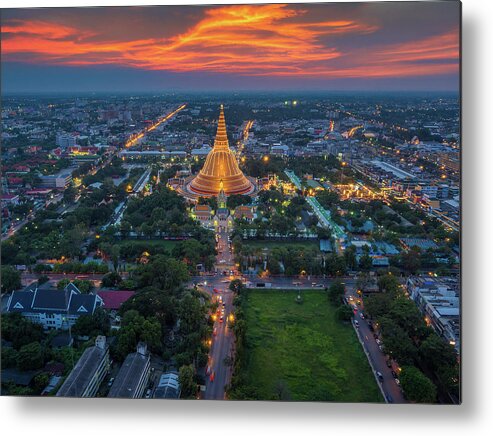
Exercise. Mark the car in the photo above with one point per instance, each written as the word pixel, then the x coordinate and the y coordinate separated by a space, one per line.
pixel 221 319
pixel 378 341
pixel 314 284
pixel 356 323
pixel 398 383
pixel 212 376
pixel 389 364
pixel 381 348
pixel 379 375
pixel 394 374
pixel 361 315
pixel 148 393
pixel 389 398
pixel 375 335
pixel 110 383
pixel 224 304
pixel 319 285
pixel 215 331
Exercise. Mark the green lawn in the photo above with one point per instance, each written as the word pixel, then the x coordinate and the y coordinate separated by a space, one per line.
pixel 304 347
pixel 288 244
pixel 166 244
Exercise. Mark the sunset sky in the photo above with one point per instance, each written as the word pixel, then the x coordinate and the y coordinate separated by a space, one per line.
pixel 355 46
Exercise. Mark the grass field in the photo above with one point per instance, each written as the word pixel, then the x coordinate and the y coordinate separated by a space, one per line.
pixel 305 348
pixel 166 244
pixel 272 244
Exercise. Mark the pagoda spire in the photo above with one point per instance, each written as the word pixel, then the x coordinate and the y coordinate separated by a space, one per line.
pixel 221 141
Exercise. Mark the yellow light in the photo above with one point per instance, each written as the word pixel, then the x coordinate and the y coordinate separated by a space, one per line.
pixel 266 158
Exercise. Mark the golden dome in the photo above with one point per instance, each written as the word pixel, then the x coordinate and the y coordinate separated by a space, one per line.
pixel 221 168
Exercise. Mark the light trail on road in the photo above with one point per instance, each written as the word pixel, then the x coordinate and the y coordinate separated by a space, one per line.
pixel 135 138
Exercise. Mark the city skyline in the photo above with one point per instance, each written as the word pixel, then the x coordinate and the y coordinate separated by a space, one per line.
pixel 377 46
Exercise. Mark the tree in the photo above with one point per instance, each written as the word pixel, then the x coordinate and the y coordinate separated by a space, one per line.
pixel 111 280
pixel 30 357
pixel 150 302
pixel 344 313
pixel 62 284
pixel 378 305
pixel 405 313
pixel 84 286
pixel 388 283
pixel 9 357
pixel 41 381
pixel 411 260
pixel 365 262
pixel 236 200
pixel 187 381
pixel 416 386
pixel 397 342
pixel 236 286
pixel 43 279
pixel 92 325
pixel 69 195
pixel 136 328
pixel 437 353
pixel 19 330
pixel 11 278
pixel 350 256
pixel 163 272
pixel 336 292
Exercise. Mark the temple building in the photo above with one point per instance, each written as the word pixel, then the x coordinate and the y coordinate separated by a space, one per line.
pixel 220 170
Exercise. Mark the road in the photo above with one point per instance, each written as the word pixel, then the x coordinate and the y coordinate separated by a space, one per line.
pixel 378 360
pixel 219 373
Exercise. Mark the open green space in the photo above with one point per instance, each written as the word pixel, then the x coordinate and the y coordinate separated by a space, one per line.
pixel 304 350
pixel 163 243
pixel 280 244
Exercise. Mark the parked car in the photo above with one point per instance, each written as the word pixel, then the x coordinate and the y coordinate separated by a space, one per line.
pixel 110 383
pixel 389 364
pixel 356 323
pixel 394 374
pixel 379 375
pixel 148 393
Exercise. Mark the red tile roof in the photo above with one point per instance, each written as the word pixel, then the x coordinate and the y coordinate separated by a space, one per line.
pixel 114 299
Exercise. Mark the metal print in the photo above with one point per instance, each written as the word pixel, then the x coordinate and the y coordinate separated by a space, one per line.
pixel 232 202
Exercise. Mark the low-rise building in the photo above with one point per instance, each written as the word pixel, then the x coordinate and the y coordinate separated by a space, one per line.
pixel 132 379
pixel 89 371
pixel 439 301
pixel 168 386
pixel 52 308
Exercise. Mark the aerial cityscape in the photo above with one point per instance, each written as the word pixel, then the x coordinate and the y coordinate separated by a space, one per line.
pixel 260 202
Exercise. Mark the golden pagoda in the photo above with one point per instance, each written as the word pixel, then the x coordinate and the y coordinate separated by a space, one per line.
pixel 221 169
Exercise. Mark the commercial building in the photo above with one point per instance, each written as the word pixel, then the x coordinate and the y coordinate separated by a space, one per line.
pixel 88 373
pixel 65 140
pixel 58 181
pixel 132 379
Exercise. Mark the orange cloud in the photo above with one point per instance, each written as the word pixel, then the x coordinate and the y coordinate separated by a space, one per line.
pixel 251 40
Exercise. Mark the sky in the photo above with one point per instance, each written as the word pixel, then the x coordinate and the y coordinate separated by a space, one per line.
pixel 387 46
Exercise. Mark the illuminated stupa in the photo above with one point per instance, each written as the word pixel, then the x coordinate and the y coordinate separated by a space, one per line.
pixel 220 169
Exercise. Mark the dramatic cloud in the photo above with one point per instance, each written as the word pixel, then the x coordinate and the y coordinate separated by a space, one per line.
pixel 249 40
pixel 301 43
